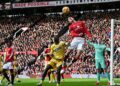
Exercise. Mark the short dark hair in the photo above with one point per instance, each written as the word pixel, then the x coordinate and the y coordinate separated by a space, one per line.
pixel 56 40
pixel 9 43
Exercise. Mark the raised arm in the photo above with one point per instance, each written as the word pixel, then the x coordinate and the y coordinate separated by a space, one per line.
pixel 107 49
pixel 63 30
pixel 90 43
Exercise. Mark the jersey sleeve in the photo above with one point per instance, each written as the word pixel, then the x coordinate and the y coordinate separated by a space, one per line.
pixel 64 43
pixel 90 43
pixel 15 58
pixel 63 30
pixel 108 49
pixel 45 51
pixel 51 49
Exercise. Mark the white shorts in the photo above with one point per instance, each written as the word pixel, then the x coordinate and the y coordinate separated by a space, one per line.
pixel 77 43
pixel 8 65
pixel 62 71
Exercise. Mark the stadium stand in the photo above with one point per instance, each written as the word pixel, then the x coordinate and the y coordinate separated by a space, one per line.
pixel 98 22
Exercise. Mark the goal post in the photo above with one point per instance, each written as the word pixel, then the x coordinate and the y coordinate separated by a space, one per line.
pixel 113 23
pixel 112 51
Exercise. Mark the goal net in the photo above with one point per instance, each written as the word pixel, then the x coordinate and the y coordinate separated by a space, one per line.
pixel 115 53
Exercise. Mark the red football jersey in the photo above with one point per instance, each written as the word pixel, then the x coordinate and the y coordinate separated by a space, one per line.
pixel 47 58
pixel 64 67
pixel 78 27
pixel 9 51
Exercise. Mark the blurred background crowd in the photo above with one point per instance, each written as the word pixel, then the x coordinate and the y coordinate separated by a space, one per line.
pixel 97 22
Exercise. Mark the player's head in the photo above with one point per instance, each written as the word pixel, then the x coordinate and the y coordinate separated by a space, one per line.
pixel 56 40
pixel 71 19
pixel 49 44
pixel 51 41
pixel 100 40
pixel 9 43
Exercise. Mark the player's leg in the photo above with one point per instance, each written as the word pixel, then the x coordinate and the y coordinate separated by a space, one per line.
pixel 52 75
pixel 98 76
pixel 67 54
pixel 77 56
pixel 98 71
pixel 18 72
pixel 62 74
pixel 49 72
pixel 44 74
pixel 73 45
pixel 103 65
pixel 107 75
pixel 12 76
pixel 1 75
pixel 0 78
pixel 59 75
pixel 79 44
pixel 16 78
pixel 5 67
pixel 6 75
pixel 79 49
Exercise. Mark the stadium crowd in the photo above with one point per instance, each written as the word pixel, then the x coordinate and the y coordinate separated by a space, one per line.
pixel 33 39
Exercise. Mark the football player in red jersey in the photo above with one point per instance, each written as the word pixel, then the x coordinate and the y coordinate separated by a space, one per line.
pixel 47 59
pixel 64 67
pixel 78 31
pixel 8 64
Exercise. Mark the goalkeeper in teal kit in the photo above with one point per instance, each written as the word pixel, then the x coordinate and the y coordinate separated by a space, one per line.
pixel 100 60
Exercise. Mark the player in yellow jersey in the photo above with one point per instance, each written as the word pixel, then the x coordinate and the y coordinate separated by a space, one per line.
pixel 57 53
pixel 15 65
pixel 1 65
pixel 51 74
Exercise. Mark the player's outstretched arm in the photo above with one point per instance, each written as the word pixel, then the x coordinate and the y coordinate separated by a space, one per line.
pixel 63 30
pixel 107 49
pixel 90 43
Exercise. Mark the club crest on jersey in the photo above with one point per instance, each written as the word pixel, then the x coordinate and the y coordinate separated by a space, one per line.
pixel 57 49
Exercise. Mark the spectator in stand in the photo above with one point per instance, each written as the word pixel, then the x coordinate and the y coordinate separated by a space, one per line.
pixel 33 39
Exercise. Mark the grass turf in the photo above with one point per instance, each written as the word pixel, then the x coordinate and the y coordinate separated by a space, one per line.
pixel 66 82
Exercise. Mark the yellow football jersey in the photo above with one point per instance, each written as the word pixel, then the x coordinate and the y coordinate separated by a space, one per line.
pixel 15 62
pixel 1 63
pixel 58 50
pixel 1 59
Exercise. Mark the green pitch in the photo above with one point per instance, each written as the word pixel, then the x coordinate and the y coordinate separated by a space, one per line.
pixel 66 82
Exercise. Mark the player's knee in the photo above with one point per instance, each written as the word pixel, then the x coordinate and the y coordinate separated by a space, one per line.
pixel 48 67
pixel 4 71
pixel 12 72
pixel 59 70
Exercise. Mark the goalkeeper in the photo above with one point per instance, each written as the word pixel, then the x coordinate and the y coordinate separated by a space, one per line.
pixel 100 59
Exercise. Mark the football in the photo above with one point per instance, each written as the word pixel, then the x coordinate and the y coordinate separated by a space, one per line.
pixel 66 10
